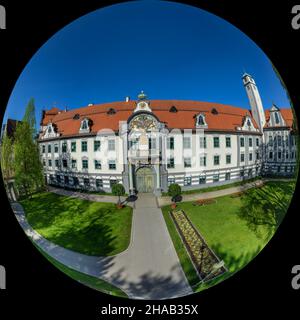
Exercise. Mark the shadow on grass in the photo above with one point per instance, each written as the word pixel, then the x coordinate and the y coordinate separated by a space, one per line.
pixel 264 208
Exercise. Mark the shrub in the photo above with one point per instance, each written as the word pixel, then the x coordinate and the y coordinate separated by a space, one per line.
pixel 174 191
pixel 118 190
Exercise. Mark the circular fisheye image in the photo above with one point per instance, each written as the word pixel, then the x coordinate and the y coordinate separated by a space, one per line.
pixel 149 150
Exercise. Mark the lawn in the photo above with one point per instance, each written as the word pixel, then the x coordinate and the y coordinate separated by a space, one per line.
pixel 92 228
pixel 229 227
pixel 92 282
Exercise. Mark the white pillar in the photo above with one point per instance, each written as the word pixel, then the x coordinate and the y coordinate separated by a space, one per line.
pixel 130 178
pixel 157 177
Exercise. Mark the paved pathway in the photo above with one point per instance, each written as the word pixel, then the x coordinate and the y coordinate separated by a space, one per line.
pixel 148 269
pixel 163 201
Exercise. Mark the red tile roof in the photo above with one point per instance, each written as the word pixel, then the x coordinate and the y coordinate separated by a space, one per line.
pixel 227 119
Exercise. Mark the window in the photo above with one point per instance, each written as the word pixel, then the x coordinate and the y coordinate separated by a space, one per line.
pixel 75 181
pixel 242 142
pixel 187 181
pixel 203 142
pixel 250 156
pixel 187 162
pixel 43 148
pixel 270 141
pixel 97 164
pixel 171 180
pixel 279 155
pixel 83 146
pixel 216 160
pixel 186 142
pixel 49 148
pixel 201 120
pixel 97 145
pixel 56 163
pixel 86 182
pixel 152 143
pixel 250 142
pixel 242 157
pixel 242 173
pixel 112 182
pixel 270 155
pixel 74 164
pixel 84 125
pixel 287 155
pixel 170 163
pixel 170 143
pixel 111 145
pixel 257 142
pixel 56 148
pixel 85 164
pixel 58 178
pixel 228 158
pixel 73 146
pixel 99 183
pixel 49 163
pixel 228 142
pixel 65 163
pixel 203 161
pixel 227 176
pixel 112 165
pixel 257 155
pixel 66 178
pixel 44 162
pixel 276 118
pixel 202 179
pixel 64 147
pixel 216 142
pixel 216 177
pixel 279 141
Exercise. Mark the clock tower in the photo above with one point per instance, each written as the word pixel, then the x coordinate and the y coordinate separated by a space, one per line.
pixel 143 103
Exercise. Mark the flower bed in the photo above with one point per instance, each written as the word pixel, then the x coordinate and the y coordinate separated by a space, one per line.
pixel 204 259
pixel 202 202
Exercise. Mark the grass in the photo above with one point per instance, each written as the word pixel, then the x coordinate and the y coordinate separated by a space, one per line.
pixel 92 282
pixel 87 227
pixel 215 188
pixel 226 231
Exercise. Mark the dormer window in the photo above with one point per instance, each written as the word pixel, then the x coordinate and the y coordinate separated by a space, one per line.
pixel 111 111
pixel 173 109
pixel 85 126
pixel 248 123
pixel 50 128
pixel 214 111
pixel 200 121
pixel 76 116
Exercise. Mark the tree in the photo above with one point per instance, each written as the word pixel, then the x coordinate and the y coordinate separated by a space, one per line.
pixel 174 191
pixel 7 157
pixel 29 116
pixel 27 165
pixel 118 190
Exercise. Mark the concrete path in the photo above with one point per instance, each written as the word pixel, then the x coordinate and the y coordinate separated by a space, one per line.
pixel 163 201
pixel 148 269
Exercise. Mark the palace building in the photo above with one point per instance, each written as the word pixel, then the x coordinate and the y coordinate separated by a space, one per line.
pixel 148 144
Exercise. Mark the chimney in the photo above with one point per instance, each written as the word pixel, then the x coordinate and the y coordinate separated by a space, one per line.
pixel 127 99
pixel 90 104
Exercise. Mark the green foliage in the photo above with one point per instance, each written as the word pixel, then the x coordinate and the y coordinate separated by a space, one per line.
pixel 7 157
pixel 174 190
pixel 118 190
pixel 29 115
pixel 27 165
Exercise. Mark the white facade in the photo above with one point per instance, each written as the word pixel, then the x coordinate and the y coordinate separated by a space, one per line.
pixel 146 157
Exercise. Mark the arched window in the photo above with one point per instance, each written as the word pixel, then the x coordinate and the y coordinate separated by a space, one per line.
pixel 200 120
pixel 84 125
pixel 276 118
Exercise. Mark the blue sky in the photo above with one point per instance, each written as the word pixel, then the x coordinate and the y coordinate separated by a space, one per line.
pixel 169 50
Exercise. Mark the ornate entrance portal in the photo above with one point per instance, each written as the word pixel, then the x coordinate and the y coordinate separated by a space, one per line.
pixel 145 180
